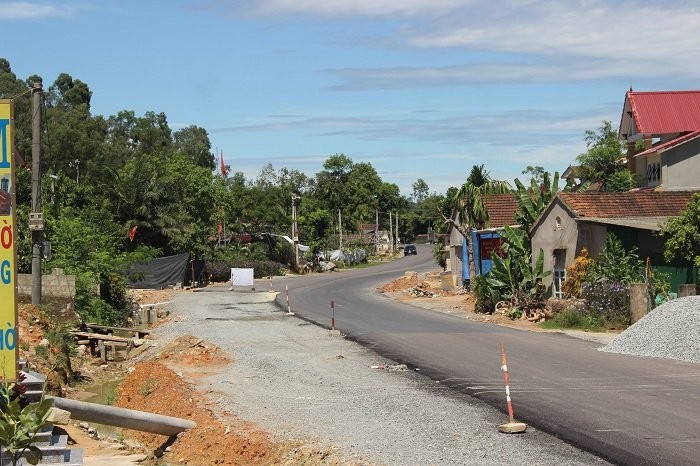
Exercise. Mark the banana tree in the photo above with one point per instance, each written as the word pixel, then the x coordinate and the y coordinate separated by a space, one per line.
pixel 514 278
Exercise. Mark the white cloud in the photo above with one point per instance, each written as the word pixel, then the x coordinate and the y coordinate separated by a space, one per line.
pixel 369 8
pixel 597 29
pixel 28 10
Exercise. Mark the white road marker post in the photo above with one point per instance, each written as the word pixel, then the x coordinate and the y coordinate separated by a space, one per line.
pixel 271 290
pixel 511 427
pixel 289 307
pixel 334 332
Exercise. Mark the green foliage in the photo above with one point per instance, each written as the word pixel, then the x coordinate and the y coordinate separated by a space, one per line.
pixel 682 235
pixel 533 200
pixel 608 300
pixel 514 278
pixel 572 318
pixel 621 181
pixel 602 159
pixel 482 293
pixel 19 423
pixel 439 254
pixel 616 264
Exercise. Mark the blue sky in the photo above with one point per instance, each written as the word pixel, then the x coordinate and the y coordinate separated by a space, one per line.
pixel 418 88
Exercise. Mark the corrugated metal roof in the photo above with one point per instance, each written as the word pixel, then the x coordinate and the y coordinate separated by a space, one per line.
pixel 665 112
pixel 670 144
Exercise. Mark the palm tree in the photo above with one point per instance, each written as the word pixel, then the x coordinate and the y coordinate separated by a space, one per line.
pixel 469 203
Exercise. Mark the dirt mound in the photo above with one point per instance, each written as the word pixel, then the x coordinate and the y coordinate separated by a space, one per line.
pixel 192 351
pixel 413 281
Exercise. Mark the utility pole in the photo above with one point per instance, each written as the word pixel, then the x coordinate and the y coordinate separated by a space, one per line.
pixel 397 227
pixel 376 227
pixel 36 220
pixel 295 232
pixel 391 234
pixel 340 229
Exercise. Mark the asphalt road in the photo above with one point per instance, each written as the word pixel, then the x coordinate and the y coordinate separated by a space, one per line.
pixel 628 410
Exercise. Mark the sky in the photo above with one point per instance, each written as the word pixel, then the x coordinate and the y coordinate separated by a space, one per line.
pixel 418 88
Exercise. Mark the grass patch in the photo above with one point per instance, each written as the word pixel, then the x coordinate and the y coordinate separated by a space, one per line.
pixel 571 318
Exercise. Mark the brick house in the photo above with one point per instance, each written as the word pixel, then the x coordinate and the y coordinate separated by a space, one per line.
pixel 573 221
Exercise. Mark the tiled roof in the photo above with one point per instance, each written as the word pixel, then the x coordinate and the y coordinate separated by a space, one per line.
pixel 628 204
pixel 670 144
pixel 665 112
pixel 501 209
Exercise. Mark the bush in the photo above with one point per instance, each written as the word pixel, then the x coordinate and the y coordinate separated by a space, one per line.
pixel 573 318
pixel 484 300
pixel 608 300
pixel 576 274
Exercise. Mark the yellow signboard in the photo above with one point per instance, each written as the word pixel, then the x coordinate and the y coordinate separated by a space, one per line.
pixel 8 259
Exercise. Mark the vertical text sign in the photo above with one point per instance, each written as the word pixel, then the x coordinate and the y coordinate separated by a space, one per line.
pixel 8 291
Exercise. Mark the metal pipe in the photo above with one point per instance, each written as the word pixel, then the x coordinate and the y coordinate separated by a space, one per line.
pixel 122 417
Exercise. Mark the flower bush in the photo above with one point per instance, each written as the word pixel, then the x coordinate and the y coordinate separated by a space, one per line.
pixel 608 300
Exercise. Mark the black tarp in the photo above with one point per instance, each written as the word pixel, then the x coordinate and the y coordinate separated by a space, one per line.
pixel 160 273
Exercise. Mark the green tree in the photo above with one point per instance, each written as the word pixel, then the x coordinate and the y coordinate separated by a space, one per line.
pixel 420 190
pixel 469 202
pixel 603 158
pixel 533 200
pixel 194 143
pixel 537 173
pixel 682 235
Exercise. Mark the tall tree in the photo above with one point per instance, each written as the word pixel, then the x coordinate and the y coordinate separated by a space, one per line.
pixel 194 143
pixel 469 203
pixel 603 160
pixel 420 190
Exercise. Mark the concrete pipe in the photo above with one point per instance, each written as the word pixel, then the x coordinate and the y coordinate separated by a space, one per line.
pixel 122 417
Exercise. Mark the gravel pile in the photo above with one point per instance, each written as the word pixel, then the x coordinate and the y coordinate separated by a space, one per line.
pixel 670 331
pixel 296 381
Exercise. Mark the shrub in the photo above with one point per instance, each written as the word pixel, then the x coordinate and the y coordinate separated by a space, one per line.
pixel 608 300
pixel 573 318
pixel 576 274
pixel 482 294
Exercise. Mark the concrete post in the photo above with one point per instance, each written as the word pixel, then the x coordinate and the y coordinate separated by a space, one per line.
pixel 639 301
pixel 687 290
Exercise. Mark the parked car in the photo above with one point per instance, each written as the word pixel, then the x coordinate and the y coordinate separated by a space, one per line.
pixel 409 250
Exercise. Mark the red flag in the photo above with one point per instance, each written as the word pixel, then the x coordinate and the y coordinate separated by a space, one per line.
pixel 224 170
pixel 132 233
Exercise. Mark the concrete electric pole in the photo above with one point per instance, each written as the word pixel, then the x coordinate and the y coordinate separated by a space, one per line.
pixel 295 232
pixel 36 219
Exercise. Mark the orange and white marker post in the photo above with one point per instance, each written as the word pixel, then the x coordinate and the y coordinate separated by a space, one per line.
pixel 511 427
pixel 333 330
pixel 289 307
pixel 332 315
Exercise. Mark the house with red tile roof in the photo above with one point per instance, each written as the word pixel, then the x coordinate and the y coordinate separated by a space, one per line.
pixel 573 221
pixel 662 132
pixel 501 209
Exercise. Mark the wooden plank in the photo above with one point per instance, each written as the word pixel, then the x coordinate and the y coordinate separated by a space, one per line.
pixel 100 336
pixel 117 329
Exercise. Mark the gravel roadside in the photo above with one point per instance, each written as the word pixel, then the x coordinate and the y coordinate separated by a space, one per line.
pixel 296 381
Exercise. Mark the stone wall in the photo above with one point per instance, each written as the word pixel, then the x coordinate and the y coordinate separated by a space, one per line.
pixel 54 285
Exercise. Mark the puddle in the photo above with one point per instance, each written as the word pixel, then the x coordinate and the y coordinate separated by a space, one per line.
pixel 104 394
